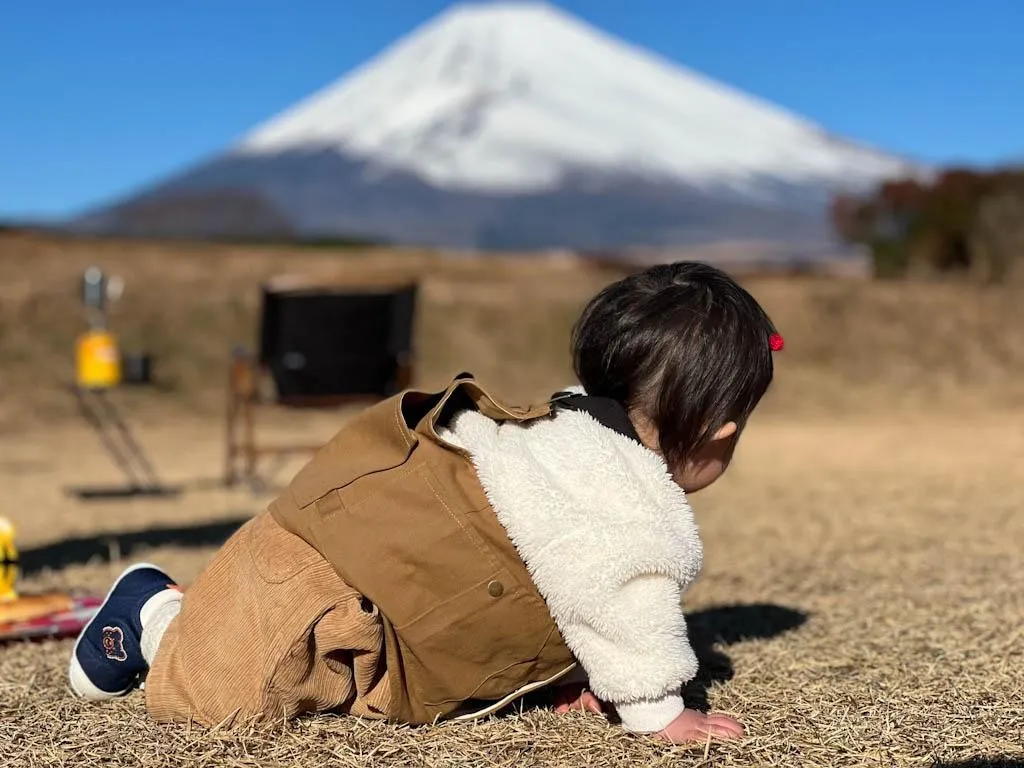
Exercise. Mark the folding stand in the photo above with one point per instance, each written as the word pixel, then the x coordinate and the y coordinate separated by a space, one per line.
pixel 101 414
pixel 243 398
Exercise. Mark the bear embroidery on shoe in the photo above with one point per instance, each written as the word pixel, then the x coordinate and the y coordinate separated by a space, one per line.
pixel 113 644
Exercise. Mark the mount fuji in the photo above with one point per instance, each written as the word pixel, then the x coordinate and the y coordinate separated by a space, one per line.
pixel 513 125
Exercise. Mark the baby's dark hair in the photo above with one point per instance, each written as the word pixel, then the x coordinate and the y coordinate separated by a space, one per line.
pixel 684 345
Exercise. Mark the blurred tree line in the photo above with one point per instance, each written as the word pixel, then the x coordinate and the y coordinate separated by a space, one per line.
pixel 961 222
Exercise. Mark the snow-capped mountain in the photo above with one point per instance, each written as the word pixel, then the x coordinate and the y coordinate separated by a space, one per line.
pixel 517 125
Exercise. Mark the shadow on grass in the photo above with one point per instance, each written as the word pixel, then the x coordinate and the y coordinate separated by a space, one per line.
pixel 727 625
pixel 107 546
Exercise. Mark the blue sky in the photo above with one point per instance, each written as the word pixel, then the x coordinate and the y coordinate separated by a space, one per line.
pixel 98 98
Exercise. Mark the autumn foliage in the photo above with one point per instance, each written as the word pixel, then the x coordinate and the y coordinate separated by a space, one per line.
pixel 961 222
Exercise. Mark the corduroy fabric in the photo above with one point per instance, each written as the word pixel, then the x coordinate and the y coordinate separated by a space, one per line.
pixel 269 631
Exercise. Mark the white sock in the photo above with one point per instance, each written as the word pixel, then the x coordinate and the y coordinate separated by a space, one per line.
pixel 156 614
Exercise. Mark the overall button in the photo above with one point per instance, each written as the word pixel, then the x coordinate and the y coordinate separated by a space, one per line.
pixel 495 589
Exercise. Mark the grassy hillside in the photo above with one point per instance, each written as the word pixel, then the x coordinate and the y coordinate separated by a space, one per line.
pixel 850 344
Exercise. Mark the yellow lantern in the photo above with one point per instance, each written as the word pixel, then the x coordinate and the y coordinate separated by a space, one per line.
pixel 98 361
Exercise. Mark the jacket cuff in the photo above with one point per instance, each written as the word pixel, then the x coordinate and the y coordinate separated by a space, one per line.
pixel 651 715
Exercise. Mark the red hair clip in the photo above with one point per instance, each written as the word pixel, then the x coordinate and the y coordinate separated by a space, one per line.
pixel 775 342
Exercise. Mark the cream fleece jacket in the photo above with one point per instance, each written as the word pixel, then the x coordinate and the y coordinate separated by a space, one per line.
pixel 610 541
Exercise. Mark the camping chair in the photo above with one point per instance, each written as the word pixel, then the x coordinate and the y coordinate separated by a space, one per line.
pixel 322 347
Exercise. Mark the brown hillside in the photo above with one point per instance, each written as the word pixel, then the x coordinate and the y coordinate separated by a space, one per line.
pixel 850 345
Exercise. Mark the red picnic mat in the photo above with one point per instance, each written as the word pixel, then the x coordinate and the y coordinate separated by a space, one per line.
pixel 65 622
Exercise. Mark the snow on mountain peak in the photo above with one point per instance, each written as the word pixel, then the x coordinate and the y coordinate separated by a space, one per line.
pixel 510 96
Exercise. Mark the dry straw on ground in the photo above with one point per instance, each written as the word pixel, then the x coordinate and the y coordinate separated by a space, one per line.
pixel 860 603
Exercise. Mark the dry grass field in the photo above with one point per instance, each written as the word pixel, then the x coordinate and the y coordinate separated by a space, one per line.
pixel 861 601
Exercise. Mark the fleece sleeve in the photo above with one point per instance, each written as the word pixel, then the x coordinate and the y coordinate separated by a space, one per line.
pixel 628 631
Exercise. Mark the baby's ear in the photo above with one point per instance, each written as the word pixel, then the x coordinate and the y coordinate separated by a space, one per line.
pixel 727 430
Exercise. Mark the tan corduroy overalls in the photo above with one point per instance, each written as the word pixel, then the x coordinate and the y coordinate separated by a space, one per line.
pixel 379 583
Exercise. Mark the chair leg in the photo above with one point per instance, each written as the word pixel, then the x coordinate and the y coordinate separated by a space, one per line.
pixel 240 396
pixel 231 432
pixel 248 408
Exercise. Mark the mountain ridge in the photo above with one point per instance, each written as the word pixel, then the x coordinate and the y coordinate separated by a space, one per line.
pixel 511 124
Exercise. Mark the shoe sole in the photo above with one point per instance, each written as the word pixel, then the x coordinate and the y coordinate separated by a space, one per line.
pixel 80 682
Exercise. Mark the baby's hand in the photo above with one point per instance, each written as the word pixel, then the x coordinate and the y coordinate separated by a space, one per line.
pixel 576 697
pixel 693 725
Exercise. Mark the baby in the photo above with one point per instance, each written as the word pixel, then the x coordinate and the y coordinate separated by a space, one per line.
pixel 447 553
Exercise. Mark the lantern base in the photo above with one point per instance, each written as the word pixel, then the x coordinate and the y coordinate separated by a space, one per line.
pixel 126 452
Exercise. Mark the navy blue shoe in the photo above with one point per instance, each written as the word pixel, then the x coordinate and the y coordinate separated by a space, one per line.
pixel 107 660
